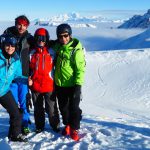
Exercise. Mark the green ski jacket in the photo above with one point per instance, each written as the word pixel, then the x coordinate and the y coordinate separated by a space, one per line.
pixel 70 64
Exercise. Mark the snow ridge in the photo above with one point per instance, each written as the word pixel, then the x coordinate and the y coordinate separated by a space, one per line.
pixel 137 21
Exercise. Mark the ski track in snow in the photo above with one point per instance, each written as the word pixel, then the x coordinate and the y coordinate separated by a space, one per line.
pixel 115 107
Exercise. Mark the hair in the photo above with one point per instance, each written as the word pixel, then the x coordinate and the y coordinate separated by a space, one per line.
pixel 23 17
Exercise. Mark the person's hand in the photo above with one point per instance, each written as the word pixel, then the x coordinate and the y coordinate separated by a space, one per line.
pixel 30 81
pixel 28 100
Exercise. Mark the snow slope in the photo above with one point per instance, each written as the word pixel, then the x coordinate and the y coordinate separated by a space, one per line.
pixel 116 107
pixel 141 40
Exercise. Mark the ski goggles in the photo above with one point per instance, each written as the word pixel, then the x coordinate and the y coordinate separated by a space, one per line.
pixel 63 35
pixel 10 41
pixel 40 38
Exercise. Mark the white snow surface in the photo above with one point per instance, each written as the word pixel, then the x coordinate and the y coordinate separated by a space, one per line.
pixel 116 97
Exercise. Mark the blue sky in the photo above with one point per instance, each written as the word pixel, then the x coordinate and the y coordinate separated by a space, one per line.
pixel 10 9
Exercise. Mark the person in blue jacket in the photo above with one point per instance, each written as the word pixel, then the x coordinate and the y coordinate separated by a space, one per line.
pixel 25 43
pixel 10 69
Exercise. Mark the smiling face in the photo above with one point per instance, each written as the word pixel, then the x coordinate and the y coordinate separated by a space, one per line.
pixel 10 49
pixel 64 38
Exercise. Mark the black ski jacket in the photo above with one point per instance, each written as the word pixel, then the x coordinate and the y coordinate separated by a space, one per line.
pixel 25 43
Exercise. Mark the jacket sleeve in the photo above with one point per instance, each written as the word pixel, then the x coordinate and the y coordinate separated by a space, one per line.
pixel 31 41
pixel 79 65
pixel 18 74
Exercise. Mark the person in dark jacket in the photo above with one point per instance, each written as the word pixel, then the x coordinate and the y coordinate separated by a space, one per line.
pixel 69 77
pixel 25 42
pixel 10 69
pixel 41 82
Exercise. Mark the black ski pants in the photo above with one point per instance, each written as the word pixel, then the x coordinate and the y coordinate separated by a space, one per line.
pixel 8 102
pixel 69 99
pixel 49 100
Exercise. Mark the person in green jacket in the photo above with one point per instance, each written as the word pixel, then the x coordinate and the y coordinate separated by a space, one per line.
pixel 69 77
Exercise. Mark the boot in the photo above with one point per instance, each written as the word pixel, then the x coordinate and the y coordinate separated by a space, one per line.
pixel 25 131
pixel 19 138
pixel 66 130
pixel 39 130
pixel 56 128
pixel 74 134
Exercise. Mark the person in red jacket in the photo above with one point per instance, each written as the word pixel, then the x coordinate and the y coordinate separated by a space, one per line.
pixel 41 82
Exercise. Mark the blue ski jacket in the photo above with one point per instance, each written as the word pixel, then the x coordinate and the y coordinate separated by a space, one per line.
pixel 9 70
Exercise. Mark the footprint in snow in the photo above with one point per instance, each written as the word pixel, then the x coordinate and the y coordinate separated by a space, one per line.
pixel 105 132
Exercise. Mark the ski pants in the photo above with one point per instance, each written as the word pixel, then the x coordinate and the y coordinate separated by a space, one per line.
pixel 49 99
pixel 8 102
pixel 69 100
pixel 19 91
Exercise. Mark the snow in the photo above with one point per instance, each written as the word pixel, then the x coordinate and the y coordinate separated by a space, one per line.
pixel 137 21
pixel 116 95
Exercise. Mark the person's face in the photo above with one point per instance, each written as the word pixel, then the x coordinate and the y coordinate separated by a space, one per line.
pixel 64 38
pixel 9 49
pixel 41 43
pixel 21 28
pixel 41 40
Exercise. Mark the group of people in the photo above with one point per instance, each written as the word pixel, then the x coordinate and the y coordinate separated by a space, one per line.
pixel 50 72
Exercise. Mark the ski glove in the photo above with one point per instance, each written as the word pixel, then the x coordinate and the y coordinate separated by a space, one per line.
pixel 77 92
pixel 28 101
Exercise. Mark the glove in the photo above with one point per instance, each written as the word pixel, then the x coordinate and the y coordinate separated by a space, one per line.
pixel 77 92
pixel 28 101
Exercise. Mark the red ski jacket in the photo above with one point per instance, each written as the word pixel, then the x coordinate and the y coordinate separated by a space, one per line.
pixel 42 69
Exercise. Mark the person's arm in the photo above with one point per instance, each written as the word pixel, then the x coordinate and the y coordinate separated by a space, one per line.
pixel 31 41
pixel 79 66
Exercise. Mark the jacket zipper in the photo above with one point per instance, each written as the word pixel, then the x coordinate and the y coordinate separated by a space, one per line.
pixel 43 62
pixel 37 63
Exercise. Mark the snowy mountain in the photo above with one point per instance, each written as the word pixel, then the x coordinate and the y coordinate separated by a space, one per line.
pixel 116 107
pixel 75 20
pixel 141 40
pixel 137 21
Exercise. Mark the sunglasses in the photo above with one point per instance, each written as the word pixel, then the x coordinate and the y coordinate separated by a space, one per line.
pixel 40 38
pixel 63 35
pixel 10 41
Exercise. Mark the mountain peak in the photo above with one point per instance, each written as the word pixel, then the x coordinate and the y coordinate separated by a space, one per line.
pixel 148 12
pixel 137 21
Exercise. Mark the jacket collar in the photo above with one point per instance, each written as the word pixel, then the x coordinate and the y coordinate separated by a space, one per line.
pixel 41 50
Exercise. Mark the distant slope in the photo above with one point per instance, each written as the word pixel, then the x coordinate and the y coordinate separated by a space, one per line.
pixel 141 40
pixel 137 21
